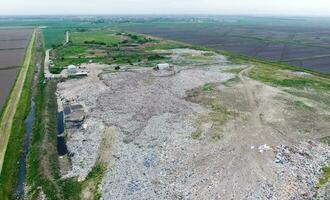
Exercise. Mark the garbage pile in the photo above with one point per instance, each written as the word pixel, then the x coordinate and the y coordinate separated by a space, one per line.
pixel 300 168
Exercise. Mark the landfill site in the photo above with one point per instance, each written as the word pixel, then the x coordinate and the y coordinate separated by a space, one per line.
pixel 195 127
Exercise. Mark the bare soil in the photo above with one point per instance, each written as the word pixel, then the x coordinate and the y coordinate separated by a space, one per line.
pixel 7 79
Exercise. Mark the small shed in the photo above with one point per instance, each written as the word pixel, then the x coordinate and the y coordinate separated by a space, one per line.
pixel 72 69
pixel 163 66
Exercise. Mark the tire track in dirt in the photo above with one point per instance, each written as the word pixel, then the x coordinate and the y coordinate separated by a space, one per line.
pixel 258 106
pixel 248 93
pixel 246 162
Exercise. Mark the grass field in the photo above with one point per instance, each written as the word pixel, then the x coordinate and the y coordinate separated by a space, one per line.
pixel 283 78
pixel 53 36
pixel 104 38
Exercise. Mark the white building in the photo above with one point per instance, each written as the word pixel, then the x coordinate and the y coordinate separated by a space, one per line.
pixel 72 69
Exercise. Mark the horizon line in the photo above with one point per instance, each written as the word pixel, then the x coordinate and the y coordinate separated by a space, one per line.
pixel 168 14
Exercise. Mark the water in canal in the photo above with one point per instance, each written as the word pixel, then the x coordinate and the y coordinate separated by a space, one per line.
pixel 21 177
pixel 61 144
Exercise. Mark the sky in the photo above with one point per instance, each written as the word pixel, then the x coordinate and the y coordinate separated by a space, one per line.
pixel 219 7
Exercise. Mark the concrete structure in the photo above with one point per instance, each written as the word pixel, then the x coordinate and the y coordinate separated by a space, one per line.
pixel 74 115
pixel 163 66
pixel 79 74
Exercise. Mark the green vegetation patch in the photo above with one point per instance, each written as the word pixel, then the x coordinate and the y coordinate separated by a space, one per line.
pixel 83 54
pixel 54 37
pixel 165 46
pixel 98 38
pixel 198 58
pixel 73 190
pixel 276 76
pixel 309 86
pixel 326 177
pixel 42 160
pixel 104 47
pixel 197 134
pixel 136 39
pixel 326 140
pixel 234 70
pixel 231 82
pixel 72 51
pixel 303 83
pixel 208 87
pixel 320 97
pixel 302 106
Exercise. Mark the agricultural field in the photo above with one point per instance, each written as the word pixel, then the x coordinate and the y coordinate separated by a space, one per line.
pixel 13 42
pixel 297 41
pixel 54 37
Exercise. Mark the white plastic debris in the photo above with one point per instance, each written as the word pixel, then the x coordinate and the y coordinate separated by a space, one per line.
pixel 263 148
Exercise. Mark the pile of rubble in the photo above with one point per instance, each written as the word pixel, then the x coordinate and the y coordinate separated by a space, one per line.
pixel 299 168
pixel 153 155
pixel 83 145
pixel 127 100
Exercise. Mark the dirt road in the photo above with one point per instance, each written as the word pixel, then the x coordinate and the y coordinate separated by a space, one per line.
pixel 46 64
pixel 67 38
pixel 49 75
pixel 10 109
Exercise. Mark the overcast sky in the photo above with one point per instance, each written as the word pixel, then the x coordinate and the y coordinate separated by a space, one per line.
pixel 221 7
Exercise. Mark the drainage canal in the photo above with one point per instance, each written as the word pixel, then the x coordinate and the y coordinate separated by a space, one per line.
pixel 21 176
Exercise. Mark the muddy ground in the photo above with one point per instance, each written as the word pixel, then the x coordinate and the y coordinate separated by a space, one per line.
pixel 197 132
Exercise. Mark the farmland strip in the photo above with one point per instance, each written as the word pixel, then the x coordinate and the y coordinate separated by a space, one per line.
pixel 308 58
pixel 10 109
